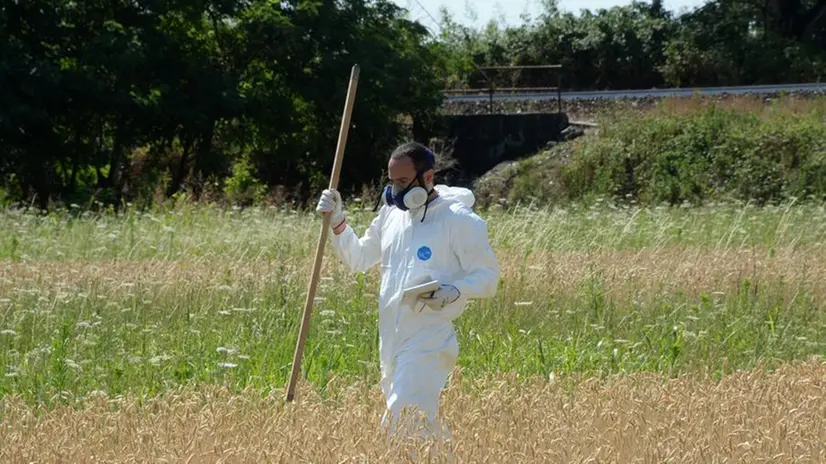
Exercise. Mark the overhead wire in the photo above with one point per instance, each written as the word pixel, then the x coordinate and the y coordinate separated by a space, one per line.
pixel 442 31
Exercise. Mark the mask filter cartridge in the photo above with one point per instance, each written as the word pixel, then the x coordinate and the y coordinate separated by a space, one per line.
pixel 407 199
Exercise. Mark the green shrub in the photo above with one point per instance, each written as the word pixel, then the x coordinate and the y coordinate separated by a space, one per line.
pixel 242 187
pixel 712 154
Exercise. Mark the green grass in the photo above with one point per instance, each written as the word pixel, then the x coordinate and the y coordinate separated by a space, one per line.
pixel 146 302
pixel 203 232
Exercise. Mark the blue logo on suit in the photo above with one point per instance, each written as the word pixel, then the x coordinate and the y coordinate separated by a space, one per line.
pixel 424 253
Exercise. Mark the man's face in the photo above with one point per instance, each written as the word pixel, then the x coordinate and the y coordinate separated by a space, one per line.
pixel 402 172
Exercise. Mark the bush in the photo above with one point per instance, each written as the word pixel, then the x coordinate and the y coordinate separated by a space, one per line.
pixel 710 154
pixel 243 188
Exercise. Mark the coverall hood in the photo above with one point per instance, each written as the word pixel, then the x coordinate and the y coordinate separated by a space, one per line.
pixel 460 194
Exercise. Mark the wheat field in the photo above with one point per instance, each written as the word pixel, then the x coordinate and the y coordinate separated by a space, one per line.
pixel 750 416
pixel 617 335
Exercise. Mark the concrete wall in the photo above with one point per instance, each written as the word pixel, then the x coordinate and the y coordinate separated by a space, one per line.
pixel 481 141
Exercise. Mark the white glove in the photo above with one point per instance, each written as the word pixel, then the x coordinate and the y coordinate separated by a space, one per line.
pixel 440 298
pixel 330 202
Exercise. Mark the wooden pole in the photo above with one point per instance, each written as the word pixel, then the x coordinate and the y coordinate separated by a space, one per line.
pixel 325 227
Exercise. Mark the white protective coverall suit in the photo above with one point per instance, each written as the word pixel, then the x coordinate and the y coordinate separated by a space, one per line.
pixel 418 349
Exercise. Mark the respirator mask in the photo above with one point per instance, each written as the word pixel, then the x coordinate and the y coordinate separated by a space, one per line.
pixel 406 198
pixel 412 196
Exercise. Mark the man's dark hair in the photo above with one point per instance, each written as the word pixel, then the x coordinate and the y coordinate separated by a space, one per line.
pixel 422 157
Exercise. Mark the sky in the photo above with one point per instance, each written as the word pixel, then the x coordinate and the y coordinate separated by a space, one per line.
pixel 490 9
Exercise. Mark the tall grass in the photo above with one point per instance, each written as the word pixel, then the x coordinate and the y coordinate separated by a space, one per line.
pixel 147 302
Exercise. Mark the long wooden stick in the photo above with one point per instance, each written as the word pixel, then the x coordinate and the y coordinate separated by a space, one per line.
pixel 325 226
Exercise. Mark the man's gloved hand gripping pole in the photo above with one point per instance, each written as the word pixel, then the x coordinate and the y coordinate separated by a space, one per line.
pixel 330 202
pixel 329 219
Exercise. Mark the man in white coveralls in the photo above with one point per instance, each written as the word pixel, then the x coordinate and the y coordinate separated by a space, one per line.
pixel 422 232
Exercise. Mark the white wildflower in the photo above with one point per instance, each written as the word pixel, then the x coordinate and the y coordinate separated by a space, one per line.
pixel 70 363
pixel 98 394
pixel 244 310
pixel 225 350
pixel 157 360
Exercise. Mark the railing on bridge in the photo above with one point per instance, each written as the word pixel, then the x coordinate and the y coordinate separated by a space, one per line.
pixel 492 88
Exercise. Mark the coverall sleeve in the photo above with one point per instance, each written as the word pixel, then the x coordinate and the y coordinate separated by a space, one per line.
pixel 476 257
pixel 359 254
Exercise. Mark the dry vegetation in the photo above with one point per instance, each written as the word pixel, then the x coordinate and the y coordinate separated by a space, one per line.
pixel 618 335
pixel 626 274
pixel 751 417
